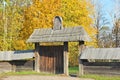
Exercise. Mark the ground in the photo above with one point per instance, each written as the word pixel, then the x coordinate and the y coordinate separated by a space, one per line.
pixel 39 77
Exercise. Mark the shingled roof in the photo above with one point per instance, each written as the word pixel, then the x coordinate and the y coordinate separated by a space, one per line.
pixel 16 55
pixel 101 53
pixel 63 35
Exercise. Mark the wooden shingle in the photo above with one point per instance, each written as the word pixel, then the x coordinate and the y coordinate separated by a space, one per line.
pixel 62 35
pixel 101 53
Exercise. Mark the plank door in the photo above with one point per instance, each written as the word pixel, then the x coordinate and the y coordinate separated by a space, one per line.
pixel 51 59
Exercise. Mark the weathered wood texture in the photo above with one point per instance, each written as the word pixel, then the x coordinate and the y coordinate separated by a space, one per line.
pixel 101 53
pixel 66 58
pixel 23 65
pixel 51 59
pixel 16 55
pixel 37 57
pixel 5 67
pixel 12 66
pixel 103 68
pixel 64 35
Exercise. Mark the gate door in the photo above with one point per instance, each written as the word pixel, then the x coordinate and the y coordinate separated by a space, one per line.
pixel 51 59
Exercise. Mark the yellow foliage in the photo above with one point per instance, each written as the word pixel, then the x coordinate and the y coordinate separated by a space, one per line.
pixel 39 15
pixel 74 13
pixel 19 45
pixel 78 12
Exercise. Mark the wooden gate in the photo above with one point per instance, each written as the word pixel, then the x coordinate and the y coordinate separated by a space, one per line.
pixel 51 59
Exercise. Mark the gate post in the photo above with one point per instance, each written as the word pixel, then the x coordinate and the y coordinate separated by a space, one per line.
pixel 37 58
pixel 81 48
pixel 66 58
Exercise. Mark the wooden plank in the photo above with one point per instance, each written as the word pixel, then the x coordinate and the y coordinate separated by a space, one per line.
pixel 5 67
pixel 66 58
pixel 59 58
pixel 103 72
pixel 57 63
pixel 101 63
pixel 41 54
pixel 104 68
pixel 20 65
pixel 63 61
pixel 51 59
pixel 54 61
pixel 48 62
pixel 43 57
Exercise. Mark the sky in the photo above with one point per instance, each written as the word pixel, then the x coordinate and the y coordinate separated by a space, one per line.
pixel 109 8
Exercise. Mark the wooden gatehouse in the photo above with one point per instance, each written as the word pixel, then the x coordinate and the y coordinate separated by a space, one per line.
pixel 54 59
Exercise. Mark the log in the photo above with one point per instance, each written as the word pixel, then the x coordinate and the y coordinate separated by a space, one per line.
pixel 66 58
pixel 37 58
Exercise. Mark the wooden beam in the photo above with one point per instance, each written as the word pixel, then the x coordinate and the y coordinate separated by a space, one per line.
pixel 66 58
pixel 81 48
pixel 37 58
pixel 81 68
pixel 13 67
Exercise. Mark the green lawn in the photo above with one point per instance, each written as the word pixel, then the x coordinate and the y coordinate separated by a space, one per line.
pixel 100 77
pixel 73 70
pixel 24 73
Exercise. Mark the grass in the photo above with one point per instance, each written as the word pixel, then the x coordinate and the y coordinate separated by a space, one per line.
pixel 24 73
pixel 73 70
pixel 21 73
pixel 100 77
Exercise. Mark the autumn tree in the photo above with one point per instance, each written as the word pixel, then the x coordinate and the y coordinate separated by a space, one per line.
pixel 78 12
pixel 40 14
pixel 11 12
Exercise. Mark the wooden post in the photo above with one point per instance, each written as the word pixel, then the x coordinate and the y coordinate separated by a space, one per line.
pixel 66 58
pixel 37 58
pixel 81 47
pixel 13 67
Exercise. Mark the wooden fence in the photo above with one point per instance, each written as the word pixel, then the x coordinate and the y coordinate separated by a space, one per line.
pixel 19 65
pixel 5 67
pixel 104 68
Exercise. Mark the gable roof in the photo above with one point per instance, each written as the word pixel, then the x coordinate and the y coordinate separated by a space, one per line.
pixel 63 35
pixel 16 55
pixel 101 53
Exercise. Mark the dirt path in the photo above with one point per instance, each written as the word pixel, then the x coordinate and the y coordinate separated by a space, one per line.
pixel 38 77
